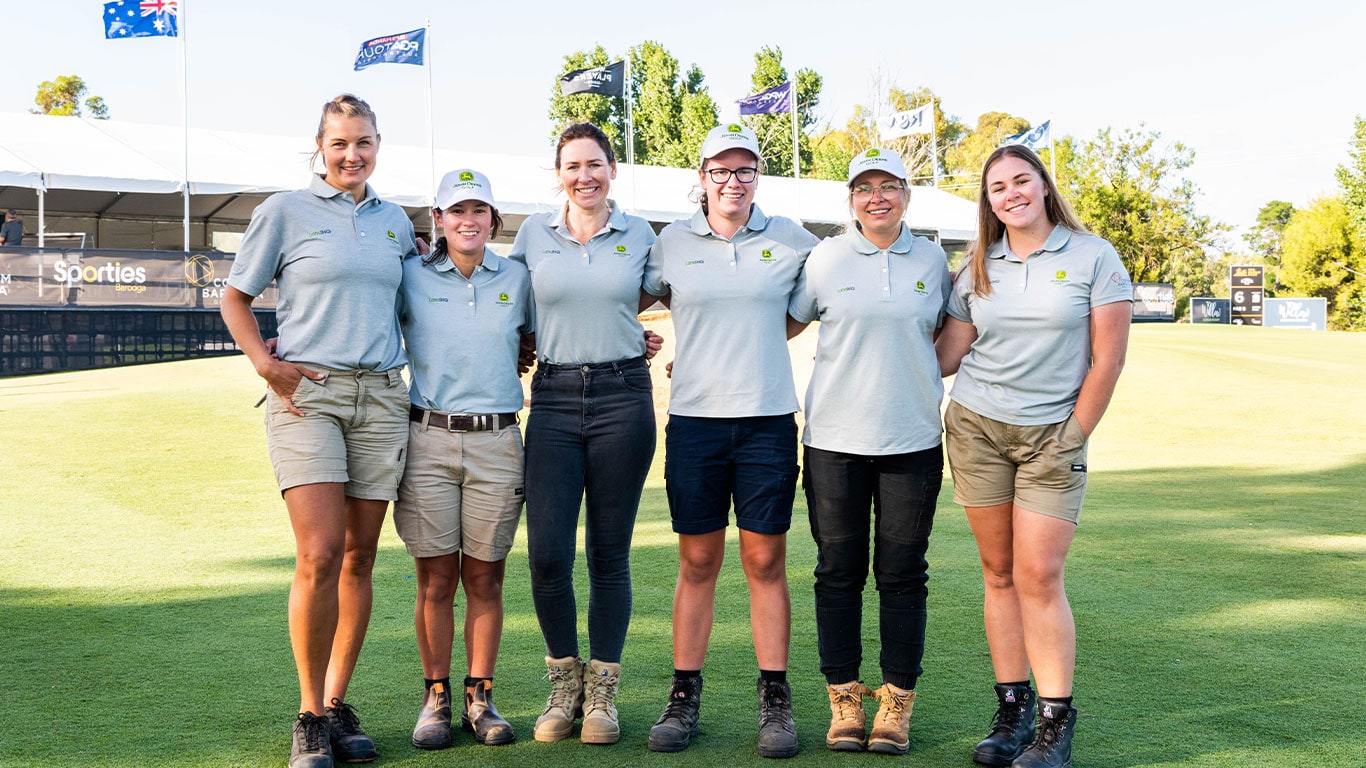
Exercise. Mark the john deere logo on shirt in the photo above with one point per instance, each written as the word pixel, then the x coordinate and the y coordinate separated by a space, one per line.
pixel 766 255
pixel 466 176
pixel 392 236
pixel 735 128
pixel 872 153
pixel 502 297
pixel 503 300
pixel 920 285
pixel 1060 277
pixel 320 233
pixel 621 250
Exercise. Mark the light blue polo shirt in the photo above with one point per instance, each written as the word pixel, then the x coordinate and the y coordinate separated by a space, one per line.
pixel 338 265
pixel 875 388
pixel 463 333
pixel 1033 345
pixel 729 303
pixel 587 296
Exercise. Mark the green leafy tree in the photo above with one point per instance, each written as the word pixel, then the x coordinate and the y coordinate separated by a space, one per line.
pixel 775 131
pixel 964 159
pixel 606 112
pixel 1265 238
pixel 1128 189
pixel 1322 256
pixel 834 148
pixel 1352 179
pixel 63 96
pixel 671 109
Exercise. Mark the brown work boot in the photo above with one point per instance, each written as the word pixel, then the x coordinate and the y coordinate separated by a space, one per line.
pixel 482 719
pixel 600 680
pixel 892 724
pixel 566 698
pixel 847 719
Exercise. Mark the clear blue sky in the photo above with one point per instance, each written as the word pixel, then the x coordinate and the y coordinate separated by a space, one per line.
pixel 1264 92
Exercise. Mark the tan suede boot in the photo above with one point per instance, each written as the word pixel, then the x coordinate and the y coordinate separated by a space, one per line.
pixel 892 724
pixel 566 698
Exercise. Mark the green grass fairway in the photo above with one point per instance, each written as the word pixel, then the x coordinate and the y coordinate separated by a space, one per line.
pixel 147 560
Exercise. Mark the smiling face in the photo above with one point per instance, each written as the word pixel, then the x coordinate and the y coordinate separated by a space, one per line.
pixel 585 173
pixel 349 146
pixel 729 200
pixel 467 226
pixel 1017 195
pixel 879 212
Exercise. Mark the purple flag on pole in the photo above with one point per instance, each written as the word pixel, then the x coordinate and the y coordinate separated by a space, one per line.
pixel 774 100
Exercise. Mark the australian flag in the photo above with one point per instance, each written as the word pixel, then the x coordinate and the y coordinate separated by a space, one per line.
pixel 774 100
pixel 140 18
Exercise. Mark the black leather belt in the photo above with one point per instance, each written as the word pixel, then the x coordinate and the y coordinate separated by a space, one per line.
pixel 462 422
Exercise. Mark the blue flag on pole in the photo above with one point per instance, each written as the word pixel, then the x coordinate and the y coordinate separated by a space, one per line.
pixel 402 48
pixel 774 100
pixel 140 18
pixel 1035 138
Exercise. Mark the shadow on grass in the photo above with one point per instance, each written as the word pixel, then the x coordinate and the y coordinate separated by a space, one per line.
pixel 1213 610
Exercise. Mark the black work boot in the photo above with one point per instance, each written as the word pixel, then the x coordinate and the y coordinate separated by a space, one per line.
pixel 777 730
pixel 309 746
pixel 349 742
pixel 676 727
pixel 1052 747
pixel 1012 729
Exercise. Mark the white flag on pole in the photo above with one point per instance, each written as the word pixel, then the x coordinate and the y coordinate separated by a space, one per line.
pixel 1035 138
pixel 918 120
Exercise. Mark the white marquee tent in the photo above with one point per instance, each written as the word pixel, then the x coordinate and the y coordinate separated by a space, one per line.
pixel 121 183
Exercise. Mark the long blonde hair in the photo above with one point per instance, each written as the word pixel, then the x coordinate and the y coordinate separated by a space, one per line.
pixel 990 229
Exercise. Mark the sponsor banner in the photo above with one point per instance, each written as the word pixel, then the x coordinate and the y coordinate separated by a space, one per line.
pixel 1308 314
pixel 1246 292
pixel 607 80
pixel 51 279
pixel 1154 303
pixel 1209 310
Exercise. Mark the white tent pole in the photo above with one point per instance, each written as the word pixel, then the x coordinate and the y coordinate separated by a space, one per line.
pixel 42 213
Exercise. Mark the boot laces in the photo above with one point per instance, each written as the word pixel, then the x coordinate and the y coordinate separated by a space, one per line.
pixel 848 703
pixel 680 702
pixel 561 684
pixel 1008 717
pixel 774 707
pixel 1048 734
pixel 347 722
pixel 892 705
pixel 599 692
pixel 314 729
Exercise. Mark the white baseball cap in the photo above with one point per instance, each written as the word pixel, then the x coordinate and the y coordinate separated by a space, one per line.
pixel 876 159
pixel 463 184
pixel 729 136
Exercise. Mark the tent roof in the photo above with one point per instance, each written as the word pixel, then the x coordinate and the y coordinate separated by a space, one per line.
pixel 105 167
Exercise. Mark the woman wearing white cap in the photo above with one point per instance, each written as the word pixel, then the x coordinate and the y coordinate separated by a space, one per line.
pixel 728 274
pixel 872 453
pixel 465 310
pixel 591 433
pixel 335 420
pixel 1037 329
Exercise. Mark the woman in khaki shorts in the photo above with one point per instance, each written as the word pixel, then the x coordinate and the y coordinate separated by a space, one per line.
pixel 464 312
pixel 1037 328
pixel 337 421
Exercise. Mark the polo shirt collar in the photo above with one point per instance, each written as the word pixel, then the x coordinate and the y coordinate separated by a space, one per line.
pixel 1055 242
pixel 863 245
pixel 616 219
pixel 319 186
pixel 489 263
pixel 757 221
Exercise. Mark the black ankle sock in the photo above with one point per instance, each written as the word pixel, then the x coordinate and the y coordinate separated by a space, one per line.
pixel 1021 684
pixel 1066 701
pixel 446 681
pixel 687 674
pixel 773 675
pixel 471 681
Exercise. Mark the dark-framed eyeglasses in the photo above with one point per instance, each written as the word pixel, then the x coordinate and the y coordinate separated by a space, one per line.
pixel 742 175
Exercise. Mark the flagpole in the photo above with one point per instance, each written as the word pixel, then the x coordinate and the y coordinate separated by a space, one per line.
pixel 1052 154
pixel 934 144
pixel 184 124
pixel 630 130
pixel 431 126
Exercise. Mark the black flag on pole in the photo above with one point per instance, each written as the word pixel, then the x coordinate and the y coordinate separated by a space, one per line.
pixel 607 80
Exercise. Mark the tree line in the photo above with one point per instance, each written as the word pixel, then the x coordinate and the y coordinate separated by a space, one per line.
pixel 1127 185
